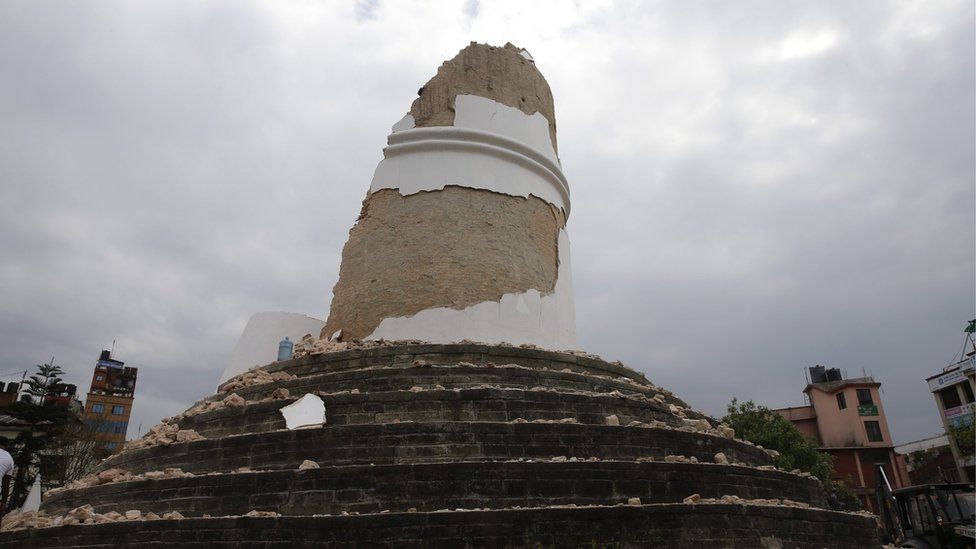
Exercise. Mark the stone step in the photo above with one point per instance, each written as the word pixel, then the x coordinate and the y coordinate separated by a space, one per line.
pixel 429 487
pixel 482 404
pixel 451 376
pixel 406 355
pixel 676 526
pixel 431 442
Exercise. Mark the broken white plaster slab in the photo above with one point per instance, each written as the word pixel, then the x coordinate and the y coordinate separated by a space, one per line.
pixel 491 146
pixel 546 321
pixel 258 344
pixel 308 411
pixel 405 123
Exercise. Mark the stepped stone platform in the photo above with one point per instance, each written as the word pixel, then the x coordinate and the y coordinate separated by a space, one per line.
pixel 460 445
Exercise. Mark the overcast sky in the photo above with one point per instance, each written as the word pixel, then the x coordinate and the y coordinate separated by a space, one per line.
pixel 757 187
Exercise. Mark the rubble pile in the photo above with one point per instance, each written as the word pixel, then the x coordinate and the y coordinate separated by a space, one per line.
pixel 736 500
pixel 80 515
pixel 114 475
pixel 165 434
pixel 254 376
pixel 310 345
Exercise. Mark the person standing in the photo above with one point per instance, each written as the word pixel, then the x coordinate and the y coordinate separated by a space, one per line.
pixel 6 473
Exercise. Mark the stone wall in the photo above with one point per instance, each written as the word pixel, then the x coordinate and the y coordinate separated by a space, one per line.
pixel 429 487
pixel 675 526
pixel 425 442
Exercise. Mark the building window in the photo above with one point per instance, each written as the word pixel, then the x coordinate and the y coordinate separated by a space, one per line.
pixel 950 397
pixel 864 397
pixel 98 408
pixel 99 377
pixel 967 392
pixel 116 429
pixel 118 410
pixel 874 431
pixel 841 401
pixel 109 445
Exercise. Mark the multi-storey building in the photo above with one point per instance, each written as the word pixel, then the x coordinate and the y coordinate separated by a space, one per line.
pixel 109 402
pixel 846 418
pixel 953 390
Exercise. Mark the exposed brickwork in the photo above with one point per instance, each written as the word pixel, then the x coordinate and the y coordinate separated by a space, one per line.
pixel 422 442
pixel 434 405
pixel 394 265
pixel 405 355
pixel 650 526
pixel 429 487
pixel 453 377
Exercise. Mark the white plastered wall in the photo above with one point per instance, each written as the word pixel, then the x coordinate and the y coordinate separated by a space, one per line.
pixel 258 344
pixel 491 146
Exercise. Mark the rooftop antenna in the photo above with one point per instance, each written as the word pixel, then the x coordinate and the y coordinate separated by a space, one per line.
pixel 112 352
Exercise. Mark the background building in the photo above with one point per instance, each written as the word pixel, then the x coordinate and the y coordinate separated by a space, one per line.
pixel 109 402
pixel 930 460
pixel 846 418
pixel 952 389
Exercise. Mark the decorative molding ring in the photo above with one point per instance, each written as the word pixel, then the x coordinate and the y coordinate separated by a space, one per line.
pixel 449 138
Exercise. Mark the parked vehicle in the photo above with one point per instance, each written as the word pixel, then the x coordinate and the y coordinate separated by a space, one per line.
pixel 928 516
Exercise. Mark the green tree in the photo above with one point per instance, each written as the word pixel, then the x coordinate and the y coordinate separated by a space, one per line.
pixel 45 382
pixel 762 426
pixel 965 437
pixel 50 426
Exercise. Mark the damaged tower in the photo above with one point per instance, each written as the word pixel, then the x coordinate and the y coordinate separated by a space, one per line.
pixel 463 233
pixel 440 441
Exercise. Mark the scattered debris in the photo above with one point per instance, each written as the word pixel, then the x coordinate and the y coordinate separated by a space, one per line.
pixel 310 345
pixel 613 420
pixel 736 500
pixel 164 434
pixel 259 514
pixel 633 501
pixel 254 376
pixel 308 464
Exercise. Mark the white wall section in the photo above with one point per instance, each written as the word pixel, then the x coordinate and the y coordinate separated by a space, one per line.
pixel 258 344
pixel 479 113
pixel 547 321
pixel 491 146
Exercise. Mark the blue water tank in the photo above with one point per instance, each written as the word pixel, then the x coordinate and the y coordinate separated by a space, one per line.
pixel 285 348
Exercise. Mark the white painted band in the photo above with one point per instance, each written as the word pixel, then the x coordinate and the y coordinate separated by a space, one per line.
pixel 424 159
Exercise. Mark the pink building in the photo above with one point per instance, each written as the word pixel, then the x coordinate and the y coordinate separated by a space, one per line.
pixel 847 419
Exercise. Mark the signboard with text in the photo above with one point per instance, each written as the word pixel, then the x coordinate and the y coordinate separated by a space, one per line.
pixel 949 378
pixel 867 410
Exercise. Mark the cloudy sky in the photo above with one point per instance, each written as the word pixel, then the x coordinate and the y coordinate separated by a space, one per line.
pixel 758 187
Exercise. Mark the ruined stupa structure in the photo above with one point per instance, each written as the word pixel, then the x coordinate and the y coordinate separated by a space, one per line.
pixel 463 233
pixel 434 432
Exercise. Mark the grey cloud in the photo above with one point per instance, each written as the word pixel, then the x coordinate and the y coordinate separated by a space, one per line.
pixel 757 187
